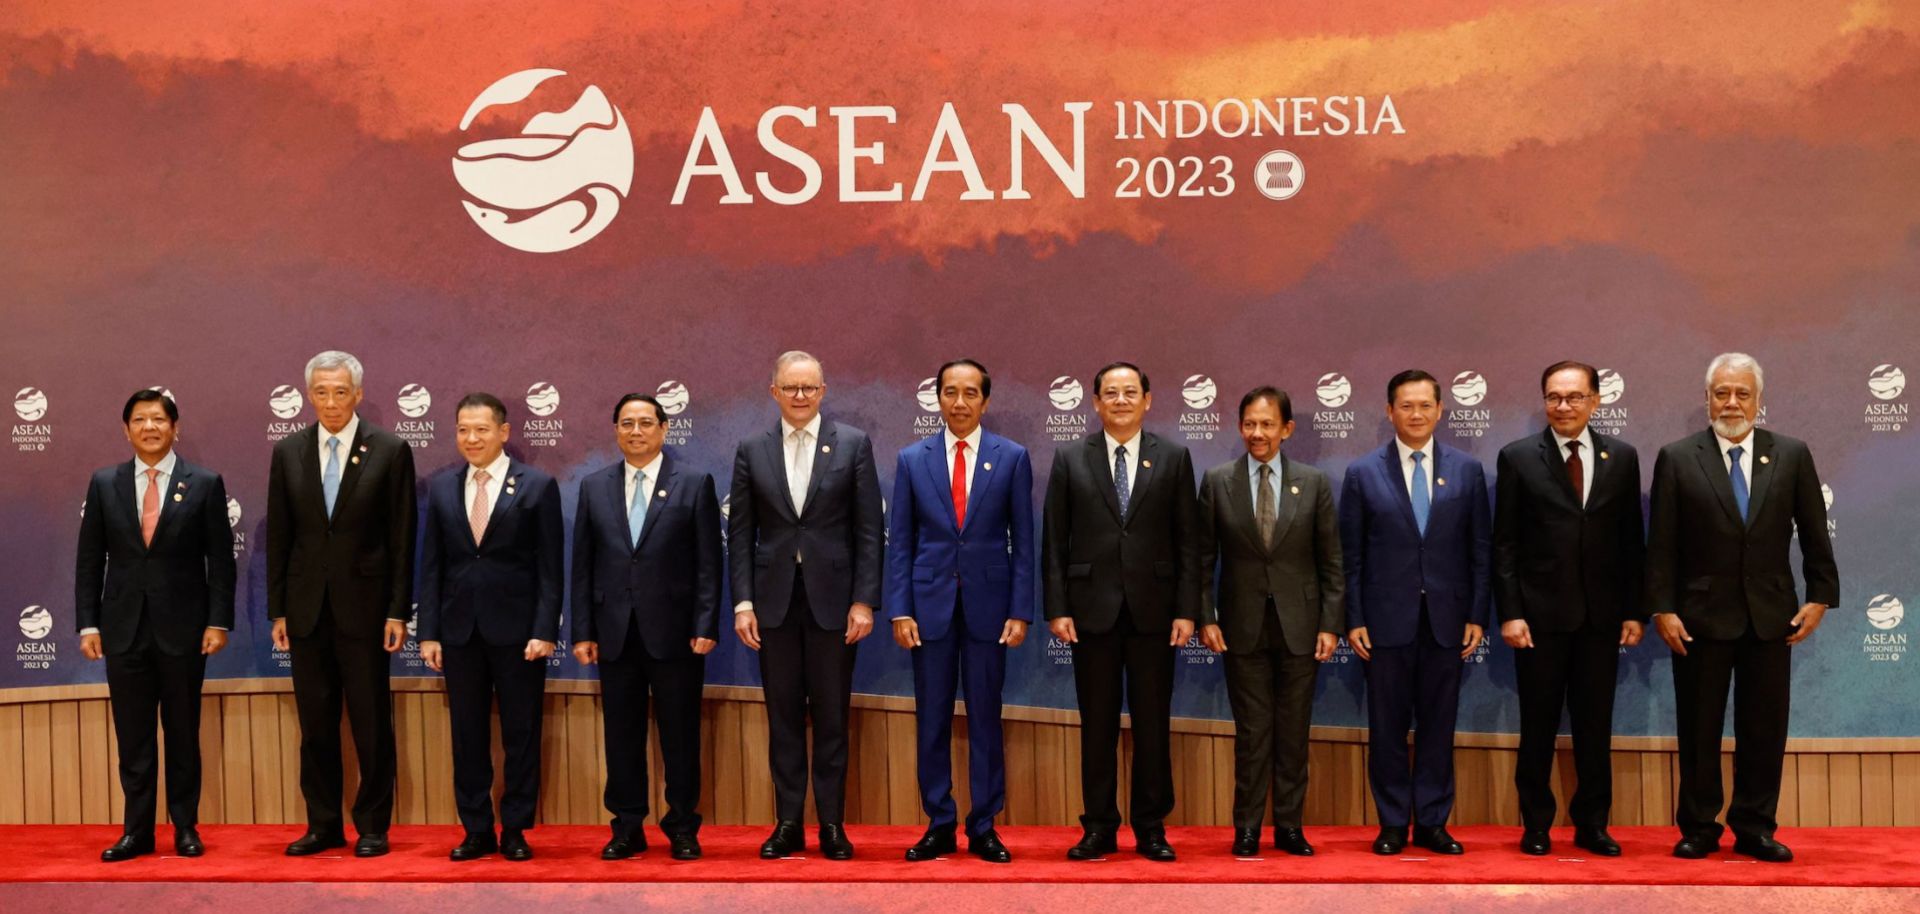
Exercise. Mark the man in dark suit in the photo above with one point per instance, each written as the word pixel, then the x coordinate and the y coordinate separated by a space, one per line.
pixel 153 593
pixel 1725 506
pixel 340 538
pixel 804 540
pixel 646 608
pixel 1123 588
pixel 1270 523
pixel 491 578
pixel 960 590
pixel 1417 538
pixel 1568 549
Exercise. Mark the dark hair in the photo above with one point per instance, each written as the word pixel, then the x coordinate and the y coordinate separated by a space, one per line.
pixel 1411 376
pixel 658 413
pixel 1593 374
pixel 149 396
pixel 1146 387
pixel 477 400
pixel 986 380
pixel 1268 392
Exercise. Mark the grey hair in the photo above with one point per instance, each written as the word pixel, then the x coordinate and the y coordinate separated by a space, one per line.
pixel 334 358
pixel 1737 361
pixel 795 356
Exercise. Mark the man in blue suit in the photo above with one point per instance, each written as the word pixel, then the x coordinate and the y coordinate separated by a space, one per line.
pixel 1417 536
pixel 960 576
pixel 646 608
pixel 491 579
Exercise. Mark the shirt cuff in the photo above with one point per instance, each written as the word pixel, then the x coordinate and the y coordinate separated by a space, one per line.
pixel 744 606
pixel 89 631
pixel 219 628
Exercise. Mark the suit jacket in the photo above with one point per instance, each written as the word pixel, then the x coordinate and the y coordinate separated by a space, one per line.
pixel 991 560
pixel 182 583
pixel 668 585
pixel 1719 574
pixel 1300 572
pixel 1095 563
pixel 1557 564
pixel 360 561
pixel 1390 565
pixel 507 587
pixel 838 534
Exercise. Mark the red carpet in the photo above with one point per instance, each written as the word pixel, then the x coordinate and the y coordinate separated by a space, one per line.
pixel 1871 857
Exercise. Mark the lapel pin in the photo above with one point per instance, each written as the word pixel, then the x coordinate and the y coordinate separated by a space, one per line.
pixel 356 458
pixel 181 485
pixel 363 449
pixel 1763 458
pixel 660 494
pixel 179 497
pixel 1147 463
pixel 1295 490
pixel 986 466
pixel 1603 455
pixel 826 449
pixel 1439 481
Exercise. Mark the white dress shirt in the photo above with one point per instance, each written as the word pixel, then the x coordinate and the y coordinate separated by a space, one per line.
pixel 1133 457
pixel 1406 465
pixel 797 447
pixel 1587 458
pixel 650 474
pixel 346 444
pixel 496 478
pixel 972 459
pixel 1746 458
pixel 1273 480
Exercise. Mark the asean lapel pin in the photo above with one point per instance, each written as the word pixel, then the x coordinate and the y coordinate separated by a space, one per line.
pixel 826 449
pixel 1439 480
pixel 986 466
pixel 660 494
pixel 179 497
pixel 1763 458
pixel 1604 455
pixel 1147 463
pixel 1293 490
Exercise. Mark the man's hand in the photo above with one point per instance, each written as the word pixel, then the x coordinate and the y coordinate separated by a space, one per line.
pixel 280 635
pixel 747 626
pixel 211 641
pixel 906 632
pixel 538 649
pixel 430 655
pixel 587 652
pixel 1805 621
pixel 1323 646
pixel 1357 639
pixel 703 646
pixel 90 647
pixel 859 622
pixel 396 635
pixel 1673 632
pixel 1631 631
pixel 1215 641
pixel 1182 632
pixel 1516 634
pixel 1062 629
pixel 1014 633
pixel 1471 640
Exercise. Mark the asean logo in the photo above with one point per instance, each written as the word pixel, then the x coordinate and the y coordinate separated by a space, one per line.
pixel 1886 382
pixel 285 401
pixel 1469 388
pixel 1198 391
pixel 1885 612
pixel 1333 389
pixel 542 399
pixel 36 622
pixel 414 401
pixel 673 396
pixel 1065 393
pixel 929 395
pixel 555 184
pixel 1612 387
pixel 30 404
pixel 233 511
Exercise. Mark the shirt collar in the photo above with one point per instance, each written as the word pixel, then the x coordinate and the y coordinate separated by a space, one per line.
pixel 972 439
pixel 496 470
pixel 165 466
pixel 1115 443
pixel 1253 466
pixel 787 429
pixel 1727 444
pixel 1585 439
pixel 1406 453
pixel 652 469
pixel 346 434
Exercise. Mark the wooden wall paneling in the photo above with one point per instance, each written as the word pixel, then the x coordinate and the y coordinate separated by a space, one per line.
pixel 1347 780
pixel 1223 779
pixel 13 766
pixel 1023 760
pixel 554 786
pixel 213 764
pixel 1656 806
pixel 436 771
pixel 1470 785
pixel 236 758
pixel 1183 799
pixel 96 762
pixel 903 781
pixel 1323 769
pixel 1787 812
pixel 1503 798
pixel 64 744
pixel 1626 809
pixel 263 764
pixel 729 789
pixel 1813 791
pixel 756 777
pixel 410 783
pixel 584 758
pixel 1876 789
pixel 1843 789
pixel 1906 789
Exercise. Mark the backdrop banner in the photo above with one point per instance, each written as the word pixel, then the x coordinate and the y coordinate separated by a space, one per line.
pixel 561 203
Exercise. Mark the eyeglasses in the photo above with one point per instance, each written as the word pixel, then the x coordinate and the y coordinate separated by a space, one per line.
pixel 1119 396
pixel 643 425
pixel 1574 400
pixel 801 392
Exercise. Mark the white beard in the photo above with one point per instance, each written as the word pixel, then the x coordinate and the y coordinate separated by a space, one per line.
pixel 1732 429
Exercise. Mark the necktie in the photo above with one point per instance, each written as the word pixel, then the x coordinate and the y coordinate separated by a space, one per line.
pixel 797 474
pixel 330 477
pixel 1738 479
pixel 477 517
pixel 1576 472
pixel 1120 485
pixel 637 509
pixel 960 484
pixel 1264 512
pixel 150 507
pixel 1422 501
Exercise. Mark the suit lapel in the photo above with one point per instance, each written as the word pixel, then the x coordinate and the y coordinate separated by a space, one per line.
pixel 509 490
pixel 125 491
pixel 822 454
pixel 1762 473
pixel 352 460
pixel 1599 469
pixel 657 499
pixel 1397 481
pixel 1240 514
pixel 617 497
pixel 1707 450
pixel 933 463
pixel 181 484
pixel 777 452
pixel 311 487
pixel 982 470
pixel 1289 501
pixel 1102 473
pixel 1557 466
pixel 1143 472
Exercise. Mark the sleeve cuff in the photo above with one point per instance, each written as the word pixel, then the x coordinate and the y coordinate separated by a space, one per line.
pixel 89 631
pixel 744 606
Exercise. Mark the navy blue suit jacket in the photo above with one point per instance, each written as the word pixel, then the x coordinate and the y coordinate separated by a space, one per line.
pixel 1389 564
pixel 182 583
pixel 507 587
pixel 991 560
pixel 838 532
pixel 669 585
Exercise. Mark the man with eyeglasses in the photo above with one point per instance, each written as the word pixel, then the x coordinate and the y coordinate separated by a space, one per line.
pixel 1568 549
pixel 1726 504
pixel 804 540
pixel 646 610
pixel 1122 554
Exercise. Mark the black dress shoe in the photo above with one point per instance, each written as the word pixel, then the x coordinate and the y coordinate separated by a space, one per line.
pixel 1695 847
pixel 514 846
pixel 987 846
pixel 127 848
pixel 620 847
pixel 1246 842
pixel 932 845
pixel 1094 844
pixel 788 838
pixel 1536 842
pixel 370 846
pixel 186 841
pixel 1152 844
pixel 1764 849
pixel 1292 840
pixel 1437 840
pixel 833 842
pixel 1596 840
pixel 313 843
pixel 1392 840
pixel 685 846
pixel 473 847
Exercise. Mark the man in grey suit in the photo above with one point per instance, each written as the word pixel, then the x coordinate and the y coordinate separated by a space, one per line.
pixel 1269 521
